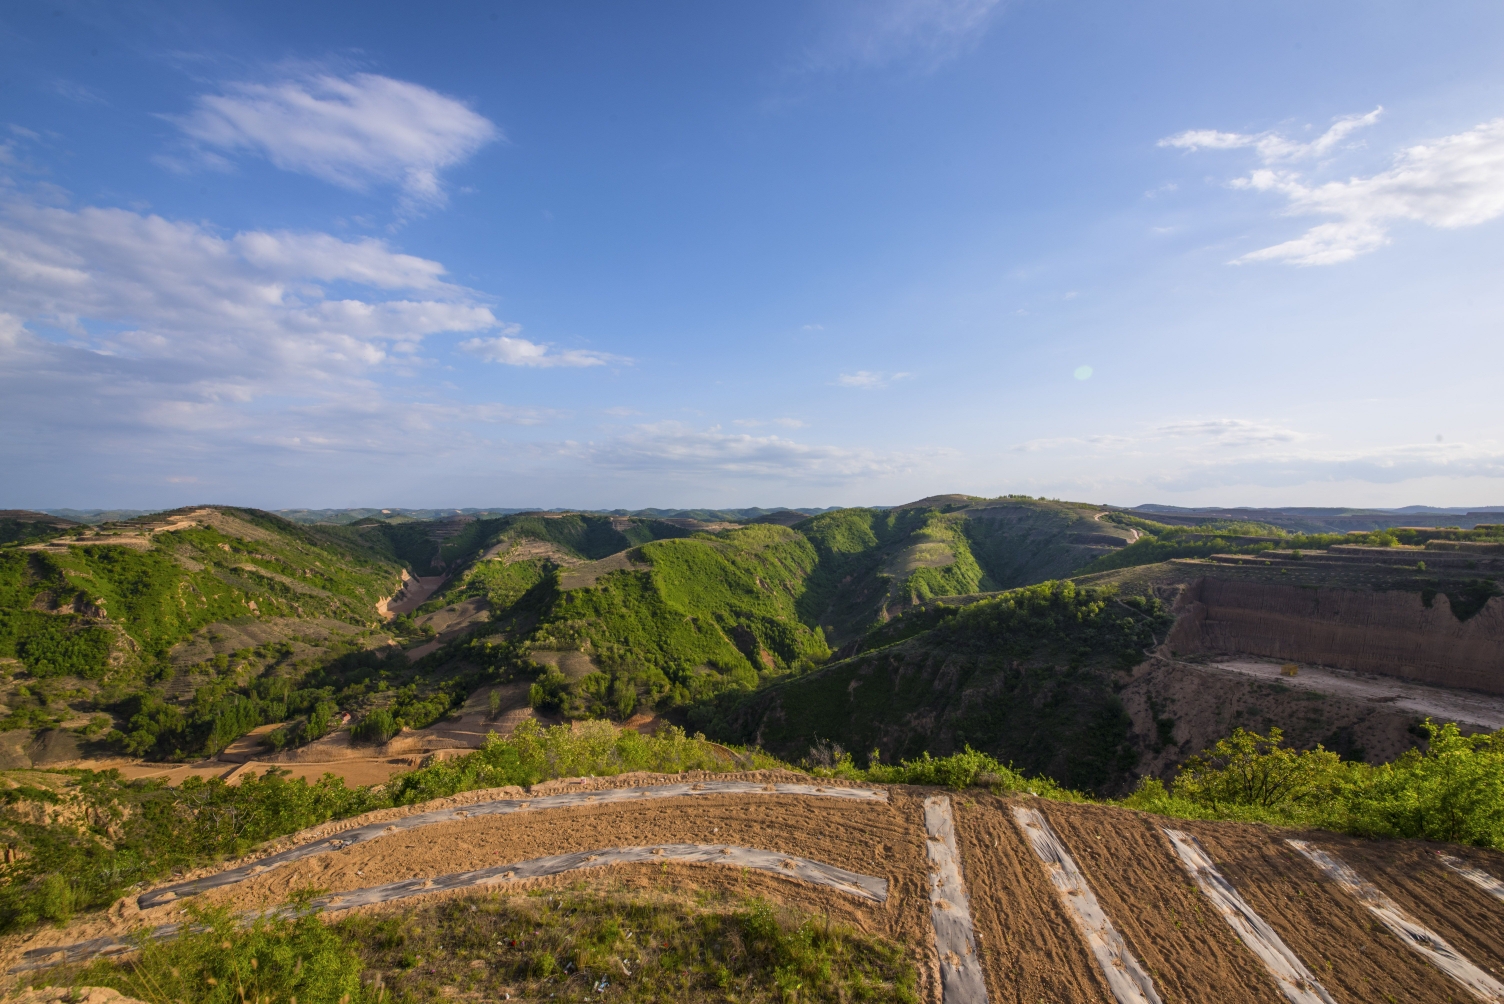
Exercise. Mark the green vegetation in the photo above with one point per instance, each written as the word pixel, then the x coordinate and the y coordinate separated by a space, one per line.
pixel 569 946
pixel 1027 677
pixel 532 754
pixel 222 962
pixel 1453 791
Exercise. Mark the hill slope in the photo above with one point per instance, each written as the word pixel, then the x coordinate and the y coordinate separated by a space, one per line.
pixel 1028 676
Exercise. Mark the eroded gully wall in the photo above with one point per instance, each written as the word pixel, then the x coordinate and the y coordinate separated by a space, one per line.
pixel 1393 633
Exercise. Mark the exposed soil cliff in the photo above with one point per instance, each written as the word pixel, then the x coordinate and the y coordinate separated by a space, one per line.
pixel 1389 632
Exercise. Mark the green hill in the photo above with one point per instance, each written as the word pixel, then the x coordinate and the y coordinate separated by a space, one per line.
pixel 1027 676
pixel 165 628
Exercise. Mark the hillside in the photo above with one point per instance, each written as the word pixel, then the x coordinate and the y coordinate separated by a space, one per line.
pixel 876 563
pixel 162 630
pixel 1029 676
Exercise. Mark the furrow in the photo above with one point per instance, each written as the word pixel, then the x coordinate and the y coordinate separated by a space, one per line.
pixel 1290 974
pixel 1125 977
pixel 498 807
pixel 1422 939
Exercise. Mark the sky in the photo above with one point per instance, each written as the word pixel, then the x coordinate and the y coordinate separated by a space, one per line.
pixel 665 254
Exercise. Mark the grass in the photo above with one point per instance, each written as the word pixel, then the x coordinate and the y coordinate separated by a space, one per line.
pixel 566 945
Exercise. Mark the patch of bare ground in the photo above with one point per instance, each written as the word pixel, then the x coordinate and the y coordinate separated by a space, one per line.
pixel 1354 957
pixel 414 592
pixel 337 753
pixel 581 576
pixel 526 548
pixel 1180 707
pixel 574 665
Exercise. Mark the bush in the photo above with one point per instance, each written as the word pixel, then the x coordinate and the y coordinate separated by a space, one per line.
pixel 377 727
pixel 1454 791
pixel 532 754
pixel 220 962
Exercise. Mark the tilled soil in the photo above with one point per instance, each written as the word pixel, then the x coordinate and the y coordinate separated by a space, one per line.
pixel 1354 957
pixel 1030 950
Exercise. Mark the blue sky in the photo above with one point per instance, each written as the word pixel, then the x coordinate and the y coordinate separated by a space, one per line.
pixel 667 254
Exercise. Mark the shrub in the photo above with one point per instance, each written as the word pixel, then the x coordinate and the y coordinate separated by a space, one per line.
pixel 377 727
pixel 219 962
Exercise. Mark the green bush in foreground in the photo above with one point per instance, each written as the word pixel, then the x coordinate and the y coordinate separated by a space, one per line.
pixel 532 754
pixel 280 960
pixel 1454 791
pixel 568 946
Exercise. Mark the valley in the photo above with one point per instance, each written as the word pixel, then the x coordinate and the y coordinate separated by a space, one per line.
pixel 259 684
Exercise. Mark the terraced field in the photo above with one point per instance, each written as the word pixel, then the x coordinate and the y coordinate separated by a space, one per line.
pixel 994 898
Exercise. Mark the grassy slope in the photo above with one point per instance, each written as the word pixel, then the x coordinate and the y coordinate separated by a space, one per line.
pixel 93 628
pixel 867 566
pixel 1022 541
pixel 699 616
pixel 1027 677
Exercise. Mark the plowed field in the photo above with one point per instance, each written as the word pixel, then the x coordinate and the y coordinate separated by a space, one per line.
pixel 1030 948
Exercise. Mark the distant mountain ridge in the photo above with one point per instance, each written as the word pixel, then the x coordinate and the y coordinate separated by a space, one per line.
pixel 1334 519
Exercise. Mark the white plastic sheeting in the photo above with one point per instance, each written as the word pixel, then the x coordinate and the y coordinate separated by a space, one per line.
pixel 961 979
pixel 498 807
pixel 1477 876
pixel 1125 977
pixel 1293 978
pixel 1410 931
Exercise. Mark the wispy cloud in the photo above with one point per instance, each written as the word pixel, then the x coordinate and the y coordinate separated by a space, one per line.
pixel 683 451
pixel 756 423
pixel 869 379
pixel 512 351
pixel 1272 147
pixel 356 131
pixel 1230 432
pixel 923 33
pixel 1456 181
pixel 1195 435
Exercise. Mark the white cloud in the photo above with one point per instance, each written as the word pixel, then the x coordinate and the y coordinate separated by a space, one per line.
pixel 672 448
pixel 1456 181
pixel 754 423
pixel 869 380
pixel 928 33
pixel 176 338
pixel 1271 147
pixel 355 132
pixel 512 351
pixel 1230 432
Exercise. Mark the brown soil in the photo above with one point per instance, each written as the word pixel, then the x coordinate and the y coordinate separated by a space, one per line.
pixel 1207 701
pixel 1335 936
pixel 584 575
pixel 883 839
pixel 1030 949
